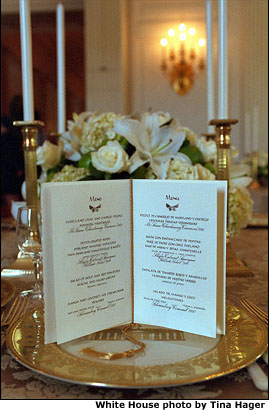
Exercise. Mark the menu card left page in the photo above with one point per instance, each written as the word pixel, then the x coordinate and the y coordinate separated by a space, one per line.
pixel 86 257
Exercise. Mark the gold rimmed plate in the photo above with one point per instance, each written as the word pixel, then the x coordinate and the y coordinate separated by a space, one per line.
pixel 7 291
pixel 171 358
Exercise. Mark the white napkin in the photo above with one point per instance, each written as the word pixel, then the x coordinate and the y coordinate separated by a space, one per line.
pixel 265 357
pixel 258 376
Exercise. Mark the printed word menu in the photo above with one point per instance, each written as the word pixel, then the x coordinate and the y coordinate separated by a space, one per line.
pixel 133 251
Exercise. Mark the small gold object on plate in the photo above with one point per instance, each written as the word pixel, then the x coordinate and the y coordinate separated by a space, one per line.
pixel 186 360
pixel 7 292
pixel 20 267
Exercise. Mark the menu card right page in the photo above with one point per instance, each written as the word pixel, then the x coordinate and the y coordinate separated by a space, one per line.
pixel 179 255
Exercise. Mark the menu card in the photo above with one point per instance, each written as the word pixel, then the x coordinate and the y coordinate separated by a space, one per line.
pixel 133 251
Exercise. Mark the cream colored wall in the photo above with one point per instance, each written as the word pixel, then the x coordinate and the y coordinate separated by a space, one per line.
pixel 103 55
pixel 254 66
pixel 123 59
pixel 150 22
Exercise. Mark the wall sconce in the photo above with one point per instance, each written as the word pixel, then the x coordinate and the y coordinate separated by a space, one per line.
pixel 183 56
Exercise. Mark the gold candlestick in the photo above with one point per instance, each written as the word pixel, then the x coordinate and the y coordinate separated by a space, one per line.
pixel 223 141
pixel 234 266
pixel 29 131
pixel 223 128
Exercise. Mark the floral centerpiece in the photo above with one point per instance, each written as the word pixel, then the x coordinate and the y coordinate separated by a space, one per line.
pixel 258 162
pixel 155 146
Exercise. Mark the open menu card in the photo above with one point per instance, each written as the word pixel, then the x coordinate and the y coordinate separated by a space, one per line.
pixel 133 251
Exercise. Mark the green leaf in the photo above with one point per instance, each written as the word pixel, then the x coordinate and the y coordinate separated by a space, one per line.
pixel 108 176
pixel 124 143
pixel 139 173
pixel 263 171
pixel 210 167
pixel 193 153
pixel 85 161
pixel 186 142
pixel 97 174
pixel 87 178
pixel 50 174
pixel 121 175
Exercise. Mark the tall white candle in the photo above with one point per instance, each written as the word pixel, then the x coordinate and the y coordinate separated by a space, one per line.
pixel 26 60
pixel 247 132
pixel 210 66
pixel 255 138
pixel 61 69
pixel 223 60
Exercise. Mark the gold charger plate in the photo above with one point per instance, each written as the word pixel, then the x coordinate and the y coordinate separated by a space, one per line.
pixel 7 292
pixel 171 358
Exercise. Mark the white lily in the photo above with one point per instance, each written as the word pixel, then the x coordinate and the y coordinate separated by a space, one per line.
pixel 72 138
pixel 239 175
pixel 155 143
pixel 71 147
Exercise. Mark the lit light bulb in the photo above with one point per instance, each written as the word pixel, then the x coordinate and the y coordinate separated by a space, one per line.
pixel 192 31
pixel 182 36
pixel 201 42
pixel 182 27
pixel 171 32
pixel 164 42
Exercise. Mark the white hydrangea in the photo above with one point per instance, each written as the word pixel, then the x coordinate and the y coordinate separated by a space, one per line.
pixel 98 130
pixel 88 131
pixel 180 170
pixel 76 126
pixel 70 173
pixel 207 148
pixel 150 174
pixel 240 208
pixel 204 173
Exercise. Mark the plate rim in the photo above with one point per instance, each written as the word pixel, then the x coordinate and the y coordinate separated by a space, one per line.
pixel 11 294
pixel 168 383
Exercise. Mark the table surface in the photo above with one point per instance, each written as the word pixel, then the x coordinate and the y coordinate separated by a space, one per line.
pixel 18 382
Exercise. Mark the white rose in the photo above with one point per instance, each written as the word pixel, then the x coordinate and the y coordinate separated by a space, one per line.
pixel 48 155
pixel 207 148
pixel 110 158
